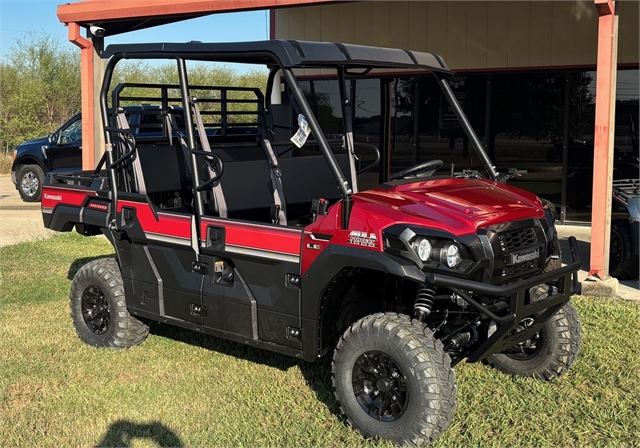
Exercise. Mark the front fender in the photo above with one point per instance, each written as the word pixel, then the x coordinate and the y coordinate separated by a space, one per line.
pixel 27 159
pixel 334 259
pixel 326 269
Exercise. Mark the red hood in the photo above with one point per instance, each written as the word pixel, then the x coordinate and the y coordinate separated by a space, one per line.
pixel 459 206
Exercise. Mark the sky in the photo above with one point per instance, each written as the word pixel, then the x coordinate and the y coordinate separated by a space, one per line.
pixel 20 17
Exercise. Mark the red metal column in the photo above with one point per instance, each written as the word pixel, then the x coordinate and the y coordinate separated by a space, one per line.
pixel 86 81
pixel 604 137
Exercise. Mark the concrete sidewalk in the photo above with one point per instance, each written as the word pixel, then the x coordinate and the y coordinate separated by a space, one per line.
pixel 629 289
pixel 19 221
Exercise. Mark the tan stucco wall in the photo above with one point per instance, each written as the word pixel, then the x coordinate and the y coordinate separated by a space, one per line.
pixel 469 35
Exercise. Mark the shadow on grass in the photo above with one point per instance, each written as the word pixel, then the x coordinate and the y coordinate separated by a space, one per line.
pixel 122 433
pixel 78 263
pixel 317 374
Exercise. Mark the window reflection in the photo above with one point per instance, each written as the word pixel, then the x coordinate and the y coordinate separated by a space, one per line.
pixel 526 126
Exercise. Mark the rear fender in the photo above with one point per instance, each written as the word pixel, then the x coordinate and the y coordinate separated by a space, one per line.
pixel 64 206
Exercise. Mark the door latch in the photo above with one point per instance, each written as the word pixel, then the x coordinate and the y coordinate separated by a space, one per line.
pixel 200 268
pixel 199 310
pixel 293 280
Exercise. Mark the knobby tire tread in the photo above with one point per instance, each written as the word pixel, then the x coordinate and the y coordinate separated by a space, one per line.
pixel 566 325
pixel 129 331
pixel 418 338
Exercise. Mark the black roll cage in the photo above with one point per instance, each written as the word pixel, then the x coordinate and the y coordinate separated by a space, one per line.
pixel 279 58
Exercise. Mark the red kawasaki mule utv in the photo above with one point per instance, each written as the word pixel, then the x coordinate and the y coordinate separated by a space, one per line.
pixel 255 232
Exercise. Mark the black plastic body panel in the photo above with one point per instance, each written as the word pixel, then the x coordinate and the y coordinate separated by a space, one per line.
pixel 62 218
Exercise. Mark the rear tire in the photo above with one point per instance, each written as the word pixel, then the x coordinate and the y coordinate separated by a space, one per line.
pixel 556 346
pixel 622 263
pixel 393 380
pixel 99 309
pixel 29 180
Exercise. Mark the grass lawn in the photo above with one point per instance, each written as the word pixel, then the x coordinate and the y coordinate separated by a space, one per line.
pixel 182 388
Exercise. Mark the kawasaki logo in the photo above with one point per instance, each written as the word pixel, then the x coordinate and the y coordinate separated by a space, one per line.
pixel 523 258
pixel 53 197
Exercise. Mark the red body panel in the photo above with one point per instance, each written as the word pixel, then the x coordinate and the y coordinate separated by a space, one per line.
pixel 457 206
pixel 52 196
pixel 282 240
pixel 168 224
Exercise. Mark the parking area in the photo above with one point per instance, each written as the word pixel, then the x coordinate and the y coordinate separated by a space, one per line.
pixel 21 221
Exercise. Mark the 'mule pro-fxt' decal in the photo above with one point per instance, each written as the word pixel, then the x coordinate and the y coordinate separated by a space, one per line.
pixel 359 238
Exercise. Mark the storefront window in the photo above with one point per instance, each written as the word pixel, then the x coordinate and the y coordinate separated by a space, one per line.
pixel 367 127
pixel 581 147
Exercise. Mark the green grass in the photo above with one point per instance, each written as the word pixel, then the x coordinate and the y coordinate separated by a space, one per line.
pixel 182 388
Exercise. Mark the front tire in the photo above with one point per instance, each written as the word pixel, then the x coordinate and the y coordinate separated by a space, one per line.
pixel 622 263
pixel 29 182
pixel 551 352
pixel 99 310
pixel 393 380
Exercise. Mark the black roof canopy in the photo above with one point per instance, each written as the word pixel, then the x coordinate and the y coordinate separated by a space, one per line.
pixel 288 53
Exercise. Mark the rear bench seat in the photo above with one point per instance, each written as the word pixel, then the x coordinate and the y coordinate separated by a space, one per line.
pixel 246 184
pixel 164 169
pixel 248 190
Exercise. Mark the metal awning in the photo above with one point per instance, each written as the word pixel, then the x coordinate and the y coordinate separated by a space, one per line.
pixel 120 16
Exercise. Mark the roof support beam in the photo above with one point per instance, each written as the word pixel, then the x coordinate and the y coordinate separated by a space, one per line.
pixel 87 83
pixel 89 11
pixel 604 138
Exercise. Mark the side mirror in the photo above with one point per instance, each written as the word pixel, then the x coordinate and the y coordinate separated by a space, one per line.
pixel 53 139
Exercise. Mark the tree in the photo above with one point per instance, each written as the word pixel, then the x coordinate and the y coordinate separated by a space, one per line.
pixel 39 88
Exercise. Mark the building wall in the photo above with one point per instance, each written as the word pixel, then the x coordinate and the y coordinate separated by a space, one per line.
pixel 469 35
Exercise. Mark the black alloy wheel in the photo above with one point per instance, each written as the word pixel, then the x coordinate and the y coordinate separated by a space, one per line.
pixel 623 264
pixel 530 348
pixel 99 307
pixel 616 251
pixel 380 386
pixel 393 380
pixel 551 351
pixel 95 310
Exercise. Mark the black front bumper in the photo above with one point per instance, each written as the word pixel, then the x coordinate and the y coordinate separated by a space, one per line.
pixel 564 279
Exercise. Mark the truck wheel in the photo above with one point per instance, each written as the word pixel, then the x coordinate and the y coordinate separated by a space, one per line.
pixel 29 181
pixel 622 263
pixel 99 310
pixel 551 352
pixel 393 380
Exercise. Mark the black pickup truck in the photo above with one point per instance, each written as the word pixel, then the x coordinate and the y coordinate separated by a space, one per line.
pixel 62 150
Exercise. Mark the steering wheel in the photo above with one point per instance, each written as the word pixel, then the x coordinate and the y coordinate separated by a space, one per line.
pixel 425 167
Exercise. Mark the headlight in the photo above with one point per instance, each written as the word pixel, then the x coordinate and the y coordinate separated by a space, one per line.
pixel 15 154
pixel 451 255
pixel 422 246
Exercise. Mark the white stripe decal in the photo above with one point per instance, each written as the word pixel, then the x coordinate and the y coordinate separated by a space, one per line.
pixel 168 239
pixel 261 253
pixel 231 222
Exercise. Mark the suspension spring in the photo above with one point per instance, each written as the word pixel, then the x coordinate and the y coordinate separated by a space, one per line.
pixel 424 302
